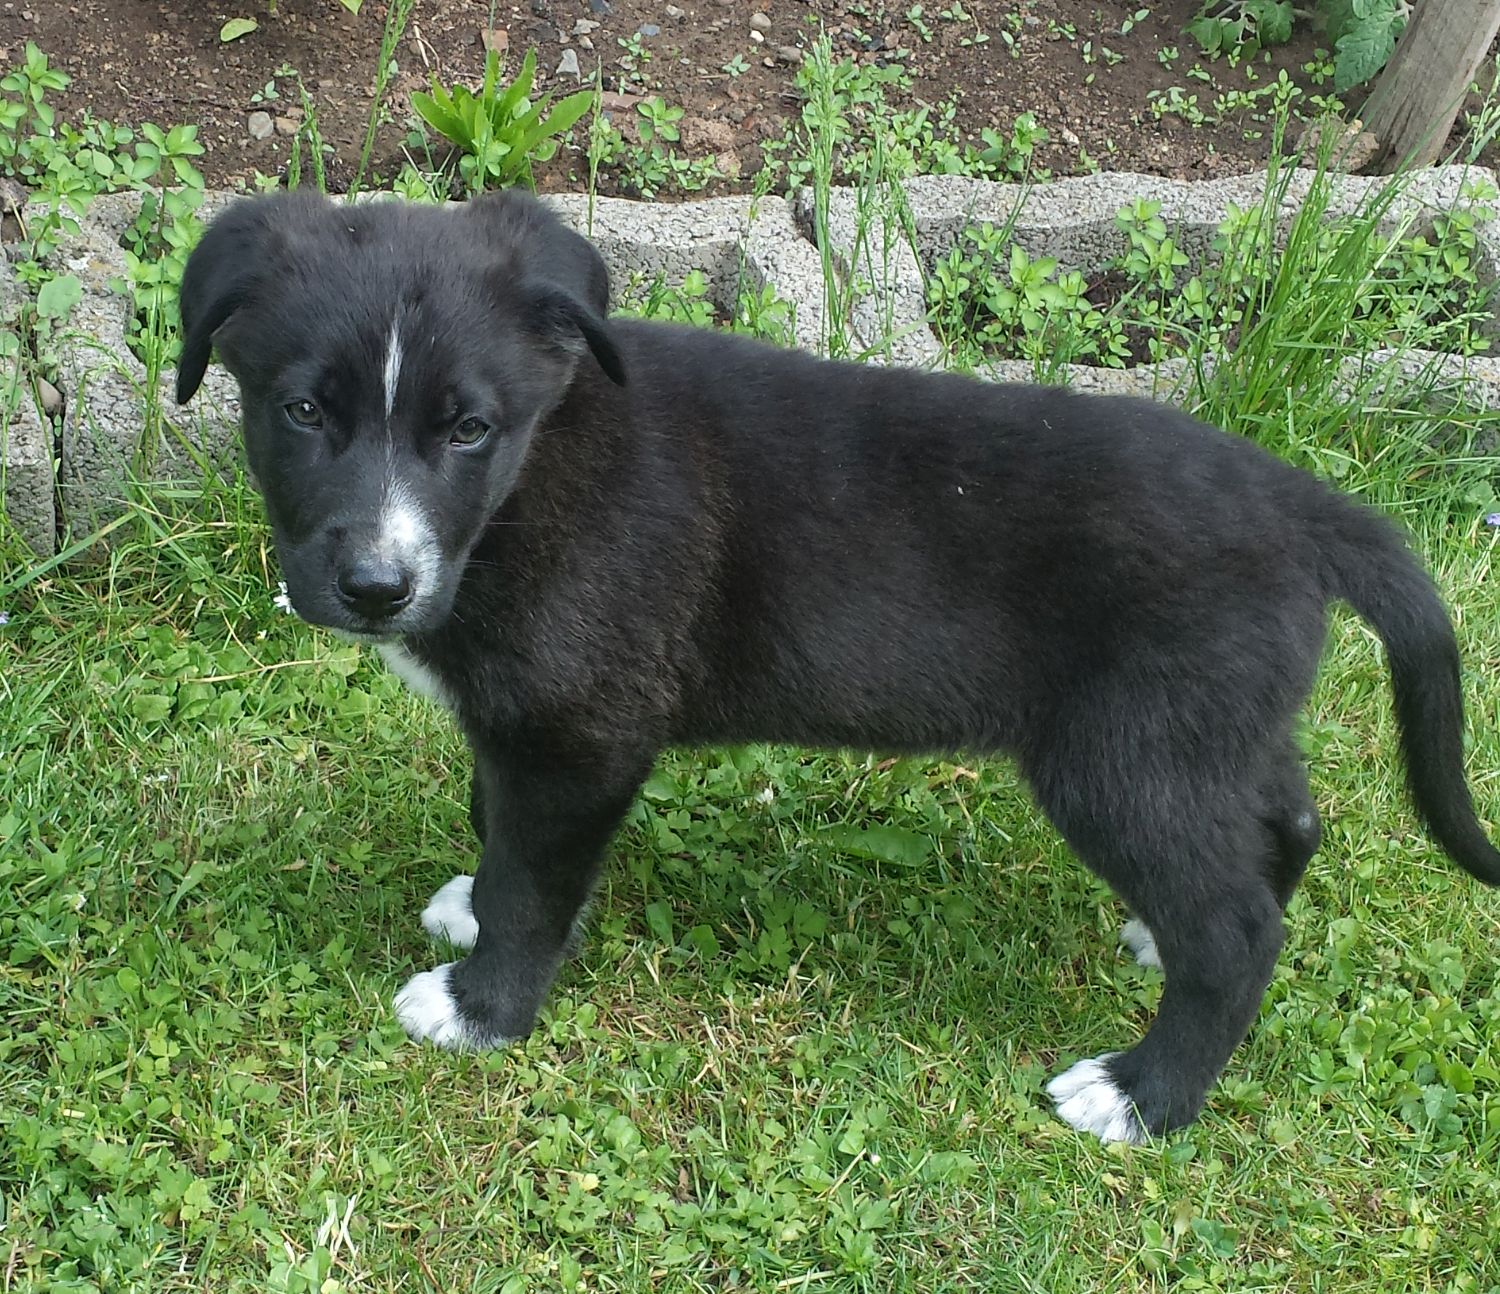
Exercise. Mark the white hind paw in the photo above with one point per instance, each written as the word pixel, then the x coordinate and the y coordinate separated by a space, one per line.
pixel 1136 935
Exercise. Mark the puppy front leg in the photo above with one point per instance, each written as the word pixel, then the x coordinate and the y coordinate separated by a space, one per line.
pixel 546 823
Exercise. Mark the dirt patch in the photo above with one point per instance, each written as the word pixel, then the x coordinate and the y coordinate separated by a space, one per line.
pixel 1086 68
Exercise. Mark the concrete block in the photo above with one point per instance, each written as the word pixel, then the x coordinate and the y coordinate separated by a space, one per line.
pixel 26 486
pixel 26 463
pixel 1166 381
pixel 881 294
pixel 734 242
pixel 107 440
pixel 1073 219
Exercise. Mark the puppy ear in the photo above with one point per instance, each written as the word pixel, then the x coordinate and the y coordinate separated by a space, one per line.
pixel 528 234
pixel 220 274
pixel 564 320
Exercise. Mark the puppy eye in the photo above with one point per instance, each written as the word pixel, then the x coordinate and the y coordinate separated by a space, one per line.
pixel 304 413
pixel 469 433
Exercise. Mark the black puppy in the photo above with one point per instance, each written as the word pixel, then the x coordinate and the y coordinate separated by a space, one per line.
pixel 749 544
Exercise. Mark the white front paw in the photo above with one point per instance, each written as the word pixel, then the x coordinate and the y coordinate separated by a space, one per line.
pixel 1088 1099
pixel 428 1012
pixel 449 914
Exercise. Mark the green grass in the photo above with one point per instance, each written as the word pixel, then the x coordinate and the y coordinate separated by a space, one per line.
pixel 805 1045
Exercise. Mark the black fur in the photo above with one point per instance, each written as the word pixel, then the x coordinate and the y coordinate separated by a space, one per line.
pixel 679 537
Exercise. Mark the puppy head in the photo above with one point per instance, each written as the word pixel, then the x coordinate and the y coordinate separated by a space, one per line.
pixel 394 363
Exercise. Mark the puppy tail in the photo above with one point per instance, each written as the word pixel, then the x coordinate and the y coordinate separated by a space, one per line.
pixel 1369 566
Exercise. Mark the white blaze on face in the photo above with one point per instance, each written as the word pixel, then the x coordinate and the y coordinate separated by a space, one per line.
pixel 404 534
pixel 392 366
pixel 403 527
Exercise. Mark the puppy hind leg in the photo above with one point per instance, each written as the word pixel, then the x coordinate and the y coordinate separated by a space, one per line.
pixel 1197 882
pixel 1291 815
pixel 1218 961
pixel 1294 831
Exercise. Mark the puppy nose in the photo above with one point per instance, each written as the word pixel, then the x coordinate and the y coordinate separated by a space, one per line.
pixel 375 588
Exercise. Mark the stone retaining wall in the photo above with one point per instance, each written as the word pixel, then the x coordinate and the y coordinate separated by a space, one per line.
pixel 68 473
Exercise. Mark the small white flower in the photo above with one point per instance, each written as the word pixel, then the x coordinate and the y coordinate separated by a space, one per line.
pixel 4 618
pixel 766 794
pixel 281 601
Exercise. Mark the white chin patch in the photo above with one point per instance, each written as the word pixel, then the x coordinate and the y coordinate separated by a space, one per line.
pixel 428 1012
pixel 1088 1099
pixel 1136 935
pixel 450 913
pixel 413 673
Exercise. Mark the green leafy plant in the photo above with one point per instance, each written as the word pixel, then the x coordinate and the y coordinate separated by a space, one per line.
pixel 1418 290
pixel 31 150
pixel 29 83
pixel 66 166
pixel 654 165
pixel 1009 155
pixel 157 244
pixel 757 313
pixel 847 109
pixel 991 291
pixel 1238 29
pixel 1363 32
pixel 658 120
pixel 502 132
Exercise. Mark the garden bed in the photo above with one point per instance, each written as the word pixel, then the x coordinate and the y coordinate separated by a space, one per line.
pixel 1088 69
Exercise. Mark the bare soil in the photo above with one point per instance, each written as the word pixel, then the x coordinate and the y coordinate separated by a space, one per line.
pixel 1085 68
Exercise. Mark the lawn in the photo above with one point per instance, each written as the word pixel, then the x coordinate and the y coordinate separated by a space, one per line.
pixel 805 1044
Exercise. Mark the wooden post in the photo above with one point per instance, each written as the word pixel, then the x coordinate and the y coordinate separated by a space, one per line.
pixel 1418 95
